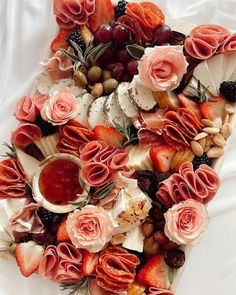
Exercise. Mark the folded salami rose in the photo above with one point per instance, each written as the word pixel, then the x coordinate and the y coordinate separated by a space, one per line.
pixel 25 134
pixel 158 291
pixel 62 264
pixel 200 185
pixel 228 45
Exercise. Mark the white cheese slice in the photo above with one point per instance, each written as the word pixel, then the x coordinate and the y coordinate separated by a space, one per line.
pixel 203 74
pixel 84 103
pixel 230 66
pixel 43 82
pixel 96 114
pixel 68 84
pixel 134 239
pixel 28 163
pixel 216 66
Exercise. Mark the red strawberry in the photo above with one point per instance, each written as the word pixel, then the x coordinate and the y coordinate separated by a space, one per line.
pixel 62 234
pixel 103 14
pixel 60 41
pixel 212 110
pixel 109 135
pixel 161 156
pixel 154 273
pixel 28 256
pixel 90 261
pixel 189 104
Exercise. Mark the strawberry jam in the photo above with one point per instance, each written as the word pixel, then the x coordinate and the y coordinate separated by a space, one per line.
pixel 59 181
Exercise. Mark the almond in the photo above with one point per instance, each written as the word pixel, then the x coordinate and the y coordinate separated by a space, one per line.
pixel 118 239
pixel 219 140
pixel 200 136
pixel 211 130
pixel 225 118
pixel 197 148
pixel 215 152
pixel 217 122
pixel 202 142
pixel 207 123
pixel 229 108
pixel 226 130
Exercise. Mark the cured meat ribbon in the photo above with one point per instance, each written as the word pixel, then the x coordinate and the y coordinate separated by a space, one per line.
pixel 228 45
pixel 25 134
pixel 158 291
pixel 116 269
pixel 101 161
pixel 204 40
pixel 200 185
pixel 142 19
pixel 180 128
pixel 62 264
pixel 12 179
pixel 71 136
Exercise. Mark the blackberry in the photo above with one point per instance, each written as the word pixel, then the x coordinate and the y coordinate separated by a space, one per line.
pixel 120 8
pixel 228 90
pixel 45 127
pixel 77 38
pixel 197 161
pixel 45 216
pixel 147 182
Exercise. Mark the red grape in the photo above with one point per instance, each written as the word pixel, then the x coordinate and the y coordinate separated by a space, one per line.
pixel 120 34
pixel 122 55
pixel 162 35
pixel 126 78
pixel 104 34
pixel 108 56
pixel 132 67
pixel 118 71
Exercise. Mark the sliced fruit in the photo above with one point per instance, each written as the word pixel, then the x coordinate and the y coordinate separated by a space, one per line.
pixel 181 157
pixel 62 234
pixel 167 99
pixel 86 34
pixel 189 104
pixel 136 289
pixel 96 115
pixel 90 261
pixel 161 156
pixel 154 273
pixel 109 135
pixel 139 158
pixel 213 110
pixel 60 41
pixel 103 14
pixel 28 256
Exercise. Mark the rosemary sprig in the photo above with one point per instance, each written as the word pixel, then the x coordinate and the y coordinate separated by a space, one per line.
pixel 129 133
pixel 11 150
pixel 136 51
pixel 83 201
pixel 201 93
pixel 73 288
pixel 104 191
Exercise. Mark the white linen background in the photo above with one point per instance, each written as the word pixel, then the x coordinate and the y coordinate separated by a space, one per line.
pixel 26 30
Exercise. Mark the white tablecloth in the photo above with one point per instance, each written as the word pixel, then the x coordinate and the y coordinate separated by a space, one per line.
pixel 26 30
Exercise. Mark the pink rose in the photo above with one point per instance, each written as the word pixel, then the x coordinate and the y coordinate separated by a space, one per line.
pixel 185 222
pixel 72 13
pixel 60 108
pixel 26 109
pixel 89 228
pixel 161 68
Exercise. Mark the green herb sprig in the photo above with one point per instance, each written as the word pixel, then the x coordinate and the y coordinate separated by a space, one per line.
pixel 11 151
pixel 73 288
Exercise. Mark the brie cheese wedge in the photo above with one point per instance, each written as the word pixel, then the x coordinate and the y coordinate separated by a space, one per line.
pixel 230 65
pixel 134 240
pixel 216 68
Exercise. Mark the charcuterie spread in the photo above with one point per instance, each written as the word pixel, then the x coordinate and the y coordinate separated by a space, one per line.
pixel 108 174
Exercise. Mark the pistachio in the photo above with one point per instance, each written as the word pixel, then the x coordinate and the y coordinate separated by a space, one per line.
pixel 211 130
pixel 225 118
pixel 80 79
pixel 97 89
pixel 94 74
pixel 110 85
pixel 202 142
pixel 147 229
pixel 207 123
pixel 219 140
pixel 150 246
pixel 226 130
pixel 106 75
pixel 197 148
pixel 215 152
pixel 200 136
pixel 229 108
pixel 118 239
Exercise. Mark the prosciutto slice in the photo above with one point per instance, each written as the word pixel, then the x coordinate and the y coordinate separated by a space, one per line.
pixel 180 128
pixel 116 269
pixel 26 133
pixel 72 136
pixel 204 40
pixel 200 185
pixel 12 179
pixel 62 264
pixel 158 291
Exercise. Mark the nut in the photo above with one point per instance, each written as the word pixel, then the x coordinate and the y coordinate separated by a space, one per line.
pixel 215 152
pixel 206 148
pixel 197 148
pixel 147 229
pixel 207 123
pixel 209 141
pixel 150 246
pixel 225 118
pixel 160 237
pixel 229 108
pixel 200 136
pixel 97 90
pixel 118 239
pixel 226 130
pixel 202 142
pixel 217 122
pixel 219 140
pixel 211 130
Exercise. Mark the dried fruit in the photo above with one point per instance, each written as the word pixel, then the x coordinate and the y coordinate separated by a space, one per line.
pixel 175 258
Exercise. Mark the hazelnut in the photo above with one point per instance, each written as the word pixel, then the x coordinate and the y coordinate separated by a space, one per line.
pixel 161 238
pixel 150 246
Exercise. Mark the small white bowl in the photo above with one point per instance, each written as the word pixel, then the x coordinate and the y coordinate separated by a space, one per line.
pixel 38 196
